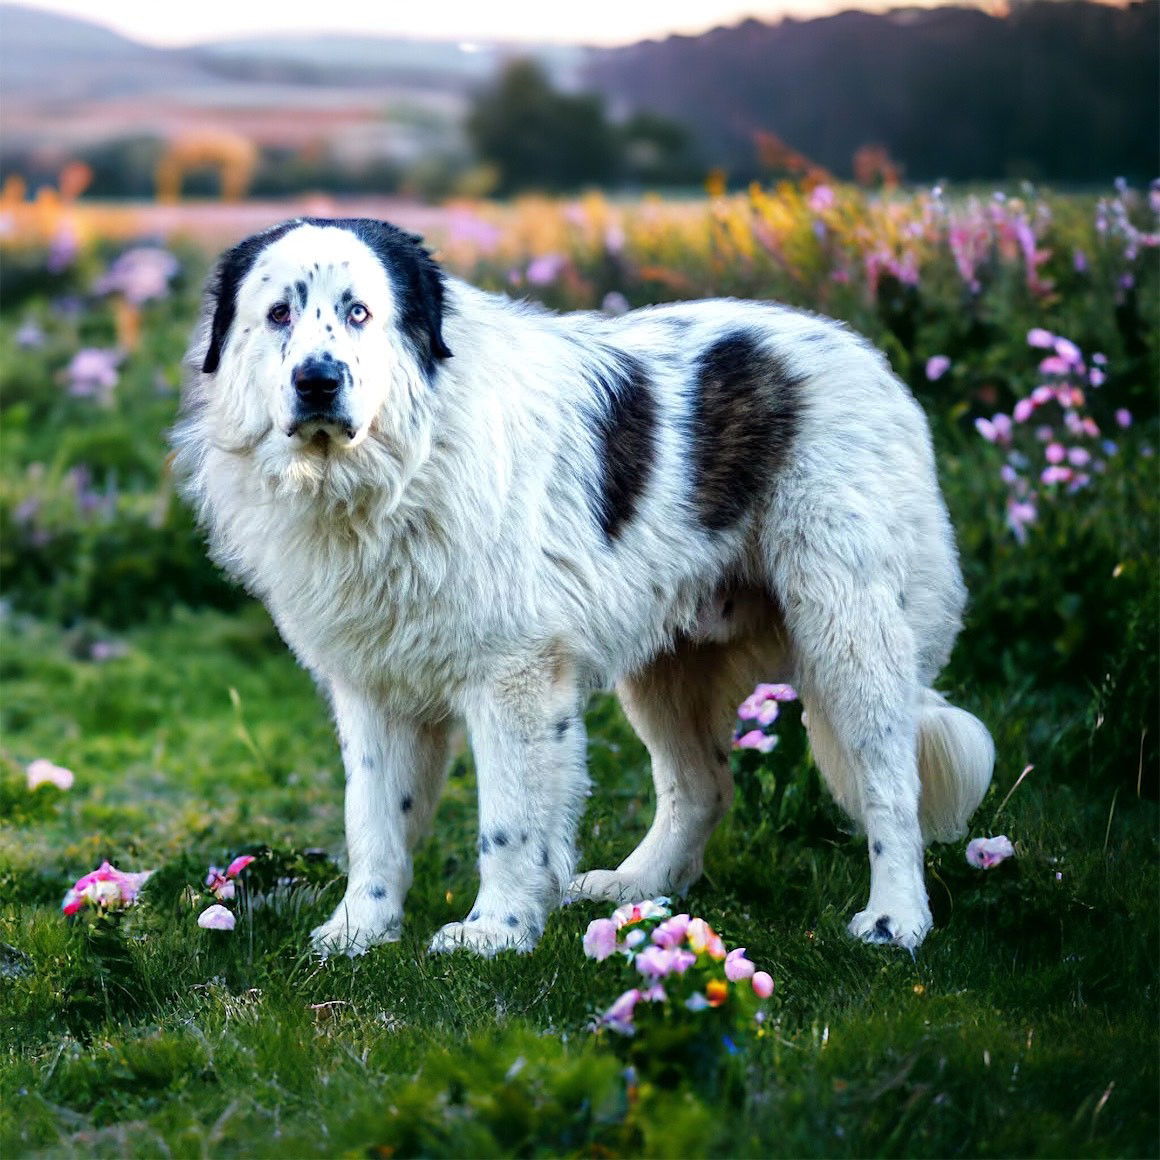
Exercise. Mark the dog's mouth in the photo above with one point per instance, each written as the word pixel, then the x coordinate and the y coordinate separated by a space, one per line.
pixel 320 433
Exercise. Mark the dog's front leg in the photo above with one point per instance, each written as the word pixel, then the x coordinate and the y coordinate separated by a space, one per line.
pixel 394 771
pixel 528 738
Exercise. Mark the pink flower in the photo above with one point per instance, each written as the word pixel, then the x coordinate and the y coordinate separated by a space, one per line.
pixel 619 1016
pixel 634 938
pixel 106 888
pixel 768 712
pixel 216 918
pixel 1002 426
pixel 1054 453
pixel 1090 427
pixel 983 853
pixel 1054 365
pixel 43 772
pixel 1037 336
pixel 778 692
pixel 755 739
pixel 937 366
pixel 762 984
pixel 1096 377
pixel 656 962
pixel 821 199
pixel 139 274
pixel 638 911
pixel 1041 395
pixel 1124 417
pixel 671 932
pixel 93 373
pixel 1055 475
pixel 600 939
pixel 737 966
pixel 985 428
pixel 1068 351
pixel 1079 456
pixel 1023 411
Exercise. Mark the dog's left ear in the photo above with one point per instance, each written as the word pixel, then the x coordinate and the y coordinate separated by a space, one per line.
pixel 419 283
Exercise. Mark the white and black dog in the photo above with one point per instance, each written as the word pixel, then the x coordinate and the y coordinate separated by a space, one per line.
pixel 681 501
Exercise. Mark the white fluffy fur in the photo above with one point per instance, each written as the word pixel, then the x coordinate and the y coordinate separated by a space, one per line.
pixel 444 562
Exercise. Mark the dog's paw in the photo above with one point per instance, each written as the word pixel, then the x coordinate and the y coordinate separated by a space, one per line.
pixel 900 928
pixel 620 887
pixel 486 936
pixel 354 928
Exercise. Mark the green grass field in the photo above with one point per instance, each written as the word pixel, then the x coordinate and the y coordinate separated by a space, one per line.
pixel 1026 1025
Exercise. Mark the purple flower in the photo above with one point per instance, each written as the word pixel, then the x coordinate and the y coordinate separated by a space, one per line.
pixel 545 269
pixel 1020 513
pixel 216 918
pixel 1068 351
pixel 93 373
pixel 1079 456
pixel 983 853
pixel 614 303
pixel 1008 474
pixel 600 939
pixel 737 966
pixel 618 1017
pixel 937 366
pixel 1023 410
pixel 985 428
pixel 1054 365
pixel 671 932
pixel 1054 453
pixel 1124 417
pixel 656 962
pixel 1037 336
pixel 755 739
pixel 139 274
pixel 821 198
pixel 29 336
pixel 1055 474
pixel 1096 377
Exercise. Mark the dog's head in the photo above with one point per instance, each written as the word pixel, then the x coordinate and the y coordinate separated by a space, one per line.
pixel 319 330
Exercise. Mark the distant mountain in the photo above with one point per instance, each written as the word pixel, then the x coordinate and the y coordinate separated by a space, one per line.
pixel 1062 90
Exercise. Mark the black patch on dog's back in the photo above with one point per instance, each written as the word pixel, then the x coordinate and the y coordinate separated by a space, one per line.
pixel 625 423
pixel 742 420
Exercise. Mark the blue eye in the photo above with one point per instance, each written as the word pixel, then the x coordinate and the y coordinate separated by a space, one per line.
pixel 358 314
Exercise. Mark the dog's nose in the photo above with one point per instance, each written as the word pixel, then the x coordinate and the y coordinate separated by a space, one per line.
pixel 317 382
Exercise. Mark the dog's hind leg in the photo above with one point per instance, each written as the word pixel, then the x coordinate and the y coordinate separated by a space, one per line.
pixel 394 772
pixel 684 707
pixel 527 734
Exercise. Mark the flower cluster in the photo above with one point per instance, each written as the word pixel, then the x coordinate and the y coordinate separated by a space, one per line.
pixel 139 274
pixel 681 960
pixel 762 707
pixel 1052 443
pixel 221 884
pixel 105 889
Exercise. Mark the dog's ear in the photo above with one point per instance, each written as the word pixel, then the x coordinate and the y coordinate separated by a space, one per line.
pixel 222 291
pixel 418 281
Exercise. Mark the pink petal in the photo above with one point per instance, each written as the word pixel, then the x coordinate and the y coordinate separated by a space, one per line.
pixel 937 366
pixel 621 1010
pixel 671 932
pixel 600 939
pixel 1037 336
pixel 1023 411
pixel 1124 417
pixel 762 984
pixel 238 865
pixel 768 712
pixel 1055 453
pixel 216 918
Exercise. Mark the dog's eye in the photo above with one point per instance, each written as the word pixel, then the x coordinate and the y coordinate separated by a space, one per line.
pixel 358 314
pixel 279 314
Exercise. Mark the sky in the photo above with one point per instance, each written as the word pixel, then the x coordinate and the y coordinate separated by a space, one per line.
pixel 580 21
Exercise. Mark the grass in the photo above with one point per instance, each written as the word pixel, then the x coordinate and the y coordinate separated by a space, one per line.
pixel 1026 1025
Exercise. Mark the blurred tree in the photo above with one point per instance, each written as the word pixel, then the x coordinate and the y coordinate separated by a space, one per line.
pixel 538 138
pixel 658 151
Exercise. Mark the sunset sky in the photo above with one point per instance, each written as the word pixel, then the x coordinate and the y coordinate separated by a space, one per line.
pixel 588 22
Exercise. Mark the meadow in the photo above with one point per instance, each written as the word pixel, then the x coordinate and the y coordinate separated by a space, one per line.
pixel 1027 325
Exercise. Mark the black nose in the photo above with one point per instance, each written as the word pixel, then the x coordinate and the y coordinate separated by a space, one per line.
pixel 317 382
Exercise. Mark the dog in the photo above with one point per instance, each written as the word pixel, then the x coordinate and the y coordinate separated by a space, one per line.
pixel 458 506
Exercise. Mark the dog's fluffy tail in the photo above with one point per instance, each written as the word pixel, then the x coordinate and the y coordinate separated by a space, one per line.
pixel 956 757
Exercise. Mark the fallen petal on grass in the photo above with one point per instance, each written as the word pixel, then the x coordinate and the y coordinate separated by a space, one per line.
pixel 983 853
pixel 44 772
pixel 216 918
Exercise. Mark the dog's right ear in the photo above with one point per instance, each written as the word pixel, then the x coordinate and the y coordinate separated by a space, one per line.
pixel 223 287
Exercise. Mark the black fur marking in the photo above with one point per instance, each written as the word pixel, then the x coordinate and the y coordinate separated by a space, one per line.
pixel 743 419
pixel 523 837
pixel 368 761
pixel 318 312
pixel 562 727
pixel 415 276
pixel 877 848
pixel 625 423
pixel 500 838
pixel 727 608
pixel 346 297
pixel 301 288
pixel 406 804
pixel 235 264
pixel 544 855
pixel 511 920
pixel 484 845
pixel 378 892
pixel 882 927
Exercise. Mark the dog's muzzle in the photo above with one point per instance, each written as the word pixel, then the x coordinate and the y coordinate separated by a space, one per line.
pixel 319 383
